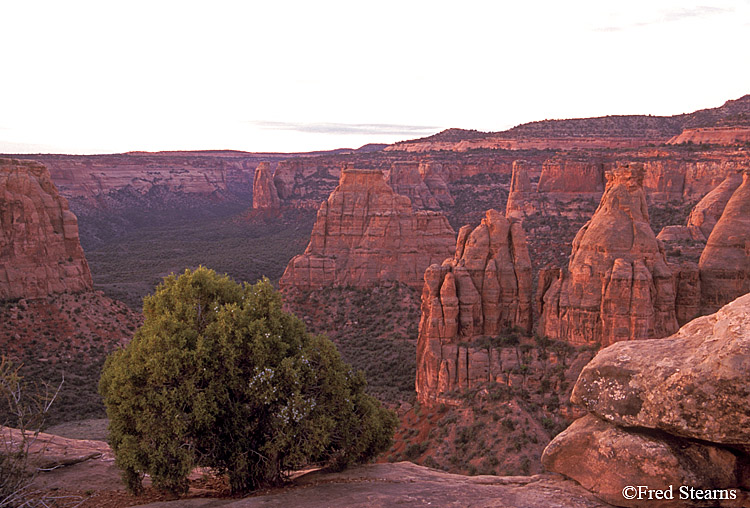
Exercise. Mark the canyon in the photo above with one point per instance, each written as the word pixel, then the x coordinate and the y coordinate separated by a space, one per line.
pixel 512 307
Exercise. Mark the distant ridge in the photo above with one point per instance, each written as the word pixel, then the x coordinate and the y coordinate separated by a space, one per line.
pixel 732 112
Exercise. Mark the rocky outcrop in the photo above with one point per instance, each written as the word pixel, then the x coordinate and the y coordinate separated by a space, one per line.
pixel 725 262
pixel 40 253
pixel 366 234
pixel 733 135
pixel 521 200
pixel 435 176
pixel 265 195
pixel 484 289
pixel 707 212
pixel 673 176
pixel 617 285
pixel 689 392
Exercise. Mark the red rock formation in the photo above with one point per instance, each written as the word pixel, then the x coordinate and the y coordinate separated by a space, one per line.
pixel 521 200
pixel 735 135
pixel 265 195
pixel 707 212
pixel 571 176
pixel 483 289
pixel 725 262
pixel 689 390
pixel 366 234
pixel 435 177
pixel 617 285
pixel 39 249
pixel 405 179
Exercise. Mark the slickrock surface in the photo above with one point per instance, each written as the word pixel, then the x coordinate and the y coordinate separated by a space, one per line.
pixel 725 262
pixel 265 195
pixel 521 200
pixel 366 234
pixel 409 485
pixel 669 411
pixel 617 285
pixel 707 212
pixel 483 289
pixel 40 253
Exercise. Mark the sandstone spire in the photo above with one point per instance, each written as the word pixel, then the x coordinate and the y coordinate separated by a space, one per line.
pixel 520 194
pixel 39 249
pixel 617 285
pixel 483 289
pixel 366 234
pixel 265 195
pixel 725 262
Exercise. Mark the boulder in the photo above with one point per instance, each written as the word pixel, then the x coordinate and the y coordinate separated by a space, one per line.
pixel 694 384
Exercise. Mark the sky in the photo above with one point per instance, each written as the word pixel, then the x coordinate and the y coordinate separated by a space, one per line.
pixel 115 76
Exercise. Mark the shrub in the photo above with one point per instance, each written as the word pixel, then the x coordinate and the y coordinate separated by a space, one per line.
pixel 219 376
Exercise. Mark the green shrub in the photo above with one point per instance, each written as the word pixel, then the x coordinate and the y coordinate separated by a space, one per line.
pixel 219 376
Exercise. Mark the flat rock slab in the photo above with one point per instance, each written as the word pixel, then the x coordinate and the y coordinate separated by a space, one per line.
pixel 406 484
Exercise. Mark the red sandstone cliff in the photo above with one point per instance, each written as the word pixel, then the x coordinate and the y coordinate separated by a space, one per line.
pixel 366 234
pixel 732 135
pixel 483 289
pixel 265 195
pixel 39 249
pixel 574 176
pixel 725 262
pixel 617 285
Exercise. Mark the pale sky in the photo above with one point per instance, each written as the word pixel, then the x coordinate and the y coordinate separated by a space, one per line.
pixel 115 76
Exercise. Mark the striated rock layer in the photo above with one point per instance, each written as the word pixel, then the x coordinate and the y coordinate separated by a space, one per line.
pixel 366 234
pixel 666 412
pixel 483 289
pixel 617 285
pixel 265 195
pixel 40 253
pixel 725 262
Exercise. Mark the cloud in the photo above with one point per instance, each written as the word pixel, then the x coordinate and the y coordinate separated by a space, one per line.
pixel 348 128
pixel 669 16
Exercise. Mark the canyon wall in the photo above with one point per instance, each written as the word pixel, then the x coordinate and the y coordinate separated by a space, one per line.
pixel 366 234
pixel 40 253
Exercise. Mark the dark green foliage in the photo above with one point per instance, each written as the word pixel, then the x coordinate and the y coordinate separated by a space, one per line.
pixel 220 376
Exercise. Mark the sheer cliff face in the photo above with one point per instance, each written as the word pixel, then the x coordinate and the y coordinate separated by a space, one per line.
pixel 39 249
pixel 617 285
pixel 484 289
pixel 725 262
pixel 366 234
